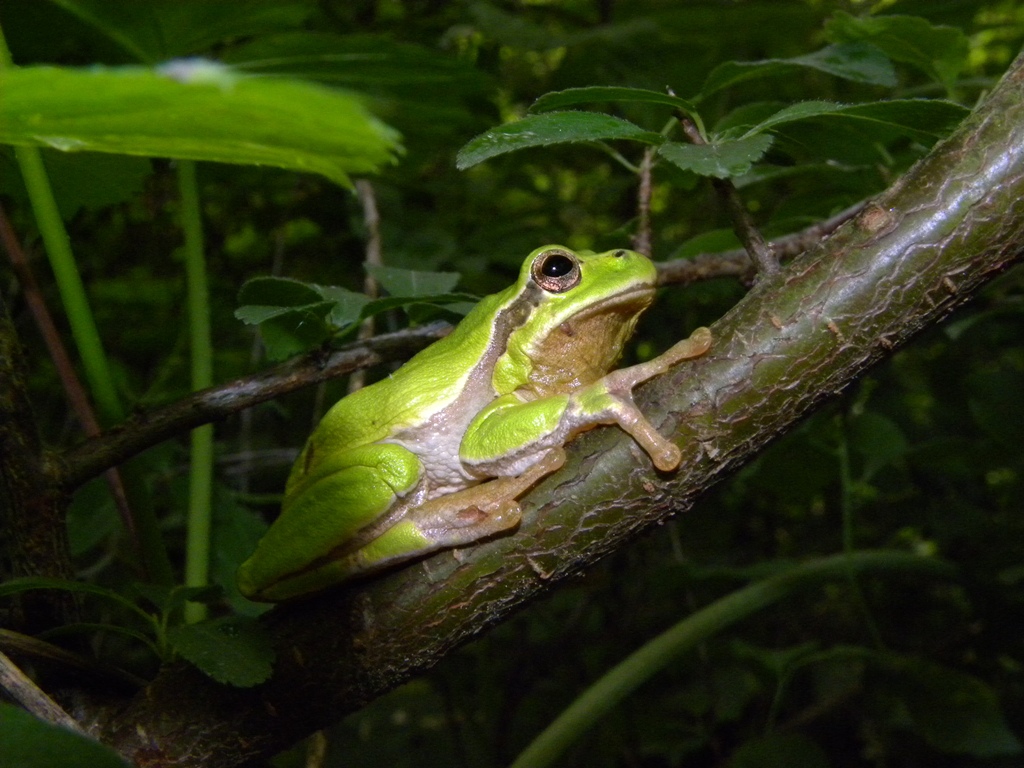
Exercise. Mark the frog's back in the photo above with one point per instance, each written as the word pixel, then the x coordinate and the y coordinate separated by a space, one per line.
pixel 430 381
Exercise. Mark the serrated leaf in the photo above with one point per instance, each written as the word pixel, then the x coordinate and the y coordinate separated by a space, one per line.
pixel 278 292
pixel 257 314
pixel 346 306
pixel 720 159
pixel 234 650
pixel 551 128
pixel 194 110
pixel 413 283
pixel 296 331
pixel 858 61
pixel 938 51
pixel 600 94
pixel 923 119
pixel 28 742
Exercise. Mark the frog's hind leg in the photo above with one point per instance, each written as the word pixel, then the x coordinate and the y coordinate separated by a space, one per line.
pixel 460 518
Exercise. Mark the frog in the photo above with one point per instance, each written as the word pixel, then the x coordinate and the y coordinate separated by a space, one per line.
pixel 437 455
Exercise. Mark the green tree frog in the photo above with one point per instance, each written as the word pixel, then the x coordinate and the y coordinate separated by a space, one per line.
pixel 437 454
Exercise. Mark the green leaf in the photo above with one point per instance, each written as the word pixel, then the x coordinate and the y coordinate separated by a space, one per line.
pixel 234 650
pixel 28 742
pixel 28 583
pixel 85 180
pixel 879 440
pixel 996 404
pixel 938 51
pixel 923 119
pixel 953 711
pixel 413 283
pixel 195 110
pixel 371 64
pixel 779 750
pixel 599 94
pixel 346 306
pixel 279 292
pixel 859 62
pixel 162 29
pixel 551 128
pixel 720 159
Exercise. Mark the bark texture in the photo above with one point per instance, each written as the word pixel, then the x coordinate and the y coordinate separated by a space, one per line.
pixel 803 334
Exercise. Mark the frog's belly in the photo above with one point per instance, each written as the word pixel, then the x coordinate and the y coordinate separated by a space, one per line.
pixel 436 444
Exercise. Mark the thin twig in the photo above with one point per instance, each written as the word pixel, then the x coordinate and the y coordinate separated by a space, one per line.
pixel 374 257
pixel 20 688
pixel 145 429
pixel 753 241
pixel 737 263
pixel 73 389
pixel 642 238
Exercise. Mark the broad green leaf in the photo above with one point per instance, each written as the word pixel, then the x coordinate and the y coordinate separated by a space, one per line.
pixel 413 283
pixel 860 62
pixel 938 51
pixel 234 650
pixel 156 30
pixel 923 119
pixel 720 159
pixel 195 110
pixel 28 742
pixel 551 128
pixel 81 180
pixel 367 63
pixel 597 94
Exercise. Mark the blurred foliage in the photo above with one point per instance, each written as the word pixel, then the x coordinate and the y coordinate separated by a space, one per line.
pixel 921 454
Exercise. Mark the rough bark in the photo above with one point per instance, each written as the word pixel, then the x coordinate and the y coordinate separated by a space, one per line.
pixel 33 540
pixel 803 334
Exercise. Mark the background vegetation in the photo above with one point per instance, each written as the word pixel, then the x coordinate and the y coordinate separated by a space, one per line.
pixel 921 455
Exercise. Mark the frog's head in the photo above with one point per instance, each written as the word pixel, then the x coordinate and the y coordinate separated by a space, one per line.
pixel 584 307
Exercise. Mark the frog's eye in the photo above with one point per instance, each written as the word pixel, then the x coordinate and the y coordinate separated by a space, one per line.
pixel 556 271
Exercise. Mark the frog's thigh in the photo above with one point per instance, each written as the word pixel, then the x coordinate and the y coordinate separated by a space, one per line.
pixel 363 484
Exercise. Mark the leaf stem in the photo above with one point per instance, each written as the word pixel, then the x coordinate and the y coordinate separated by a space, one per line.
pixel 197 545
pixel 699 627
pixel 65 271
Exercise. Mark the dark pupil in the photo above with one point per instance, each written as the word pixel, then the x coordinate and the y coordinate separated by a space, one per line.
pixel 556 265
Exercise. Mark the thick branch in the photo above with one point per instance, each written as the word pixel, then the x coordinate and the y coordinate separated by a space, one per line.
pixel 922 248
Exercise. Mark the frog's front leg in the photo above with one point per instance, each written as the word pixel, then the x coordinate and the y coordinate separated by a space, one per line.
pixel 506 436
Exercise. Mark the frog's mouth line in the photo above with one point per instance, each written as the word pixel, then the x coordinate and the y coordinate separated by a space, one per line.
pixel 640 298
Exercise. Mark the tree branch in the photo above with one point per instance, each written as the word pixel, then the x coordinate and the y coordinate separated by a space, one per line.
pixel 146 429
pixel 800 336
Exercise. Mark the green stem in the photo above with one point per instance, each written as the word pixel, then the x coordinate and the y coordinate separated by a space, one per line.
pixel 700 627
pixel 197 547
pixel 65 272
